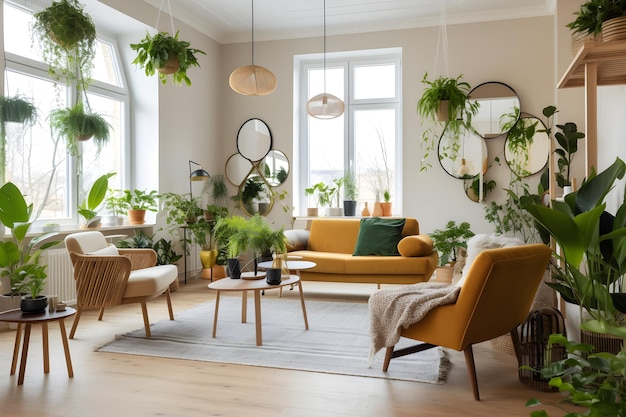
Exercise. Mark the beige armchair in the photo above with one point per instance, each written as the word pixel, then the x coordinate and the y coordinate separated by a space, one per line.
pixel 495 298
pixel 107 276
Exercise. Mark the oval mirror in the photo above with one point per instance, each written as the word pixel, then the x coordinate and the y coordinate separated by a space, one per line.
pixel 462 154
pixel 255 195
pixel 527 146
pixel 497 103
pixel 275 168
pixel 473 190
pixel 254 140
pixel 237 169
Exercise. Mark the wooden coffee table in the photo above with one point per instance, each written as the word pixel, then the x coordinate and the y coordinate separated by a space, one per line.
pixel 245 285
pixel 24 323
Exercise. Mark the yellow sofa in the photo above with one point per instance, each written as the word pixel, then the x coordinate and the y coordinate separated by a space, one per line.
pixel 330 243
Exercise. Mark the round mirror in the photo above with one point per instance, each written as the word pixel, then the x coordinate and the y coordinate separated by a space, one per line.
pixel 497 103
pixel 473 190
pixel 527 146
pixel 462 154
pixel 237 169
pixel 254 140
pixel 255 195
pixel 275 168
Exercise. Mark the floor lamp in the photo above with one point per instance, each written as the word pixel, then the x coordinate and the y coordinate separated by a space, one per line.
pixel 196 175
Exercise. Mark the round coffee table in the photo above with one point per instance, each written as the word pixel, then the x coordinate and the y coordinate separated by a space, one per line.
pixel 24 322
pixel 245 285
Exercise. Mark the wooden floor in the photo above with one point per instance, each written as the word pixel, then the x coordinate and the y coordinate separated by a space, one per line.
pixel 107 384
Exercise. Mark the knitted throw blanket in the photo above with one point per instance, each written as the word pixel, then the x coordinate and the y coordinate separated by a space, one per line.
pixel 392 309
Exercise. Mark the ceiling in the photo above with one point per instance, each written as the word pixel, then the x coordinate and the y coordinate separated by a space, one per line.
pixel 229 21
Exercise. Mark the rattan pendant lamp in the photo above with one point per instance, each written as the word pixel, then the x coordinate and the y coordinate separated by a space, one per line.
pixel 325 106
pixel 252 80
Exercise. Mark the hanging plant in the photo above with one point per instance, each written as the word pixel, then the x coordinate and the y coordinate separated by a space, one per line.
pixel 74 124
pixel 67 37
pixel 14 109
pixel 166 55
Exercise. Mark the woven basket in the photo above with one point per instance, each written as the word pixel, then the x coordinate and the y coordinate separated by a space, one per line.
pixel 579 39
pixel 614 29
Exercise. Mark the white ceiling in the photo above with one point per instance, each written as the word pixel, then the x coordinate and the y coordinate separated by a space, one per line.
pixel 229 21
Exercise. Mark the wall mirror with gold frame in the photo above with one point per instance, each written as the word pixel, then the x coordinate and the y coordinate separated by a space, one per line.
pixel 527 146
pixel 462 155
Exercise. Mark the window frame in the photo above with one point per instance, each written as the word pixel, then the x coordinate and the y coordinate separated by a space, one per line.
pixel 348 60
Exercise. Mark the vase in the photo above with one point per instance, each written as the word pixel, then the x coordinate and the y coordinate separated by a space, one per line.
pixel 234 272
pixel 378 209
pixel 273 276
pixel 366 211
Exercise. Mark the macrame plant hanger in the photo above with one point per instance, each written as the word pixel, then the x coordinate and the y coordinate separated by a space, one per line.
pixel 169 10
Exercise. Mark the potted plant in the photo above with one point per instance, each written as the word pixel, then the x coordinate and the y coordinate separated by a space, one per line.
pixel 67 37
pixel 88 208
pixel 14 109
pixel 593 245
pixel 386 203
pixel 166 55
pixel 181 209
pixel 315 191
pixel 232 233
pixel 75 124
pixel 446 242
pixel 444 100
pixel 567 139
pixel 114 203
pixel 592 16
pixel 137 202
pixel 350 193
pixel 19 256
pixel 263 241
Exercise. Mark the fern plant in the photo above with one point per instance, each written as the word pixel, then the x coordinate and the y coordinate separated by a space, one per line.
pixel 75 124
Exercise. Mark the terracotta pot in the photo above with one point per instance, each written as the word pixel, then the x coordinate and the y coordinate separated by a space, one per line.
pixel 444 274
pixel 136 216
pixel 386 208
pixel 218 272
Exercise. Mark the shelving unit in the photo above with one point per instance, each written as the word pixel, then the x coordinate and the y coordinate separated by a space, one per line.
pixel 596 64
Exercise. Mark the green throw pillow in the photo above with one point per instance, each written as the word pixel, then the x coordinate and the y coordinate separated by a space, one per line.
pixel 379 237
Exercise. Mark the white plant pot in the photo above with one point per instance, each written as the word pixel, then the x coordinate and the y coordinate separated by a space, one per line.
pixel 334 211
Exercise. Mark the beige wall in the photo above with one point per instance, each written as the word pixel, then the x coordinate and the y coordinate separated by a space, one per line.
pixel 517 52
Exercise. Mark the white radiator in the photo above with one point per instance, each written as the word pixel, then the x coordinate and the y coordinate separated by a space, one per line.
pixel 60 275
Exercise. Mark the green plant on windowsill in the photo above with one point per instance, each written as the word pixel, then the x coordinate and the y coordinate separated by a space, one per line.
pixel 166 55
pixel 140 200
pixel 350 189
pixel 95 196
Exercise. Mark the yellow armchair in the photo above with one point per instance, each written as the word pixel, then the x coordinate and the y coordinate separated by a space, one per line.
pixel 495 298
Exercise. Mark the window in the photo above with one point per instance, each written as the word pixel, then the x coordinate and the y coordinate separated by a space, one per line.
pixel 38 162
pixel 366 140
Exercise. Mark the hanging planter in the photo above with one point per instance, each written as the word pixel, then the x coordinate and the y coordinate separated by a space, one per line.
pixel 166 55
pixel 75 124
pixel 67 37
pixel 13 110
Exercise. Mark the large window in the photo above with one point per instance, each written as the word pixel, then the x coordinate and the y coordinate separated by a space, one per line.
pixel 366 140
pixel 37 161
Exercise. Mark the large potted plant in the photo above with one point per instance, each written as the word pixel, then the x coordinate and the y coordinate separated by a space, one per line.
pixel 596 18
pixel 166 54
pixel 76 124
pixel 67 37
pixel 263 240
pixel 232 232
pixel 20 256
pixel 447 242
pixel 593 245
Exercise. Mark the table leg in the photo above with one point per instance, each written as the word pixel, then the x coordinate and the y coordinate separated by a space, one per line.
pixel 257 317
pixel 46 347
pixel 306 321
pixel 20 378
pixel 217 307
pixel 244 306
pixel 16 347
pixel 66 348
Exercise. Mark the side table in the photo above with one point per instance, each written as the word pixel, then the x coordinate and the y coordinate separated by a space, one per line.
pixel 24 323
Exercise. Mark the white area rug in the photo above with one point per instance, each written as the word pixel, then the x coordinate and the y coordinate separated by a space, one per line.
pixel 337 341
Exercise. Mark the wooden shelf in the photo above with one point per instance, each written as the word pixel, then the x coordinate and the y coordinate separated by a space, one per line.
pixel 611 60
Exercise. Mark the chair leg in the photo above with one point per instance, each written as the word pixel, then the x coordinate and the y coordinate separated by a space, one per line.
pixel 388 356
pixel 471 370
pixel 75 324
pixel 169 303
pixel 101 314
pixel 146 322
